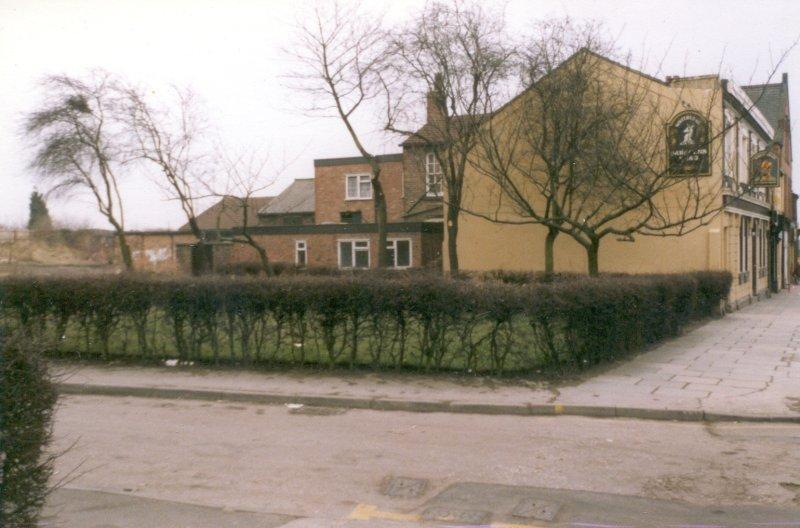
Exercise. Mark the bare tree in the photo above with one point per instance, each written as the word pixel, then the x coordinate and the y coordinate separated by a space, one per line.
pixel 457 56
pixel 581 151
pixel 244 180
pixel 342 54
pixel 169 139
pixel 78 145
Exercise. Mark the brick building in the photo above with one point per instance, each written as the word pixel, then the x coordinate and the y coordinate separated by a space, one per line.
pixel 324 221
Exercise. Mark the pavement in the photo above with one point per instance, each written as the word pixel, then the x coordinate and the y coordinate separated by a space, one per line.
pixel 743 367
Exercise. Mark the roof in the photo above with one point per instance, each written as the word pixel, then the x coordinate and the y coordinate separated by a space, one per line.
pixel 227 213
pixel 430 133
pixel 770 99
pixel 357 160
pixel 296 198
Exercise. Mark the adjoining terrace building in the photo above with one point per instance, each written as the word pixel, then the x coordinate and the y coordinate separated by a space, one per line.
pixel 748 171
pixel 324 221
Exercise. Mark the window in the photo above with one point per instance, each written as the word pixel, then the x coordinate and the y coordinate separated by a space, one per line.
pixel 300 253
pixel 433 175
pixel 399 253
pixel 359 187
pixel 292 219
pixel 350 217
pixel 743 236
pixel 730 145
pixel 354 253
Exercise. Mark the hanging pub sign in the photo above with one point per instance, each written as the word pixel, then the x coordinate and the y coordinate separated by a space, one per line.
pixel 688 145
pixel 764 171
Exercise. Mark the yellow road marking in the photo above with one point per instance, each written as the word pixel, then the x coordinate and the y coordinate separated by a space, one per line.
pixel 558 409
pixel 366 512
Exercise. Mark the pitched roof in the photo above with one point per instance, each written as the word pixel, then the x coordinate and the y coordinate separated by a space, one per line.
pixel 227 213
pixel 296 198
pixel 430 133
pixel 770 99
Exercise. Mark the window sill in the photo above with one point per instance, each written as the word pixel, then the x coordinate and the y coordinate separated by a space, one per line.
pixel 357 199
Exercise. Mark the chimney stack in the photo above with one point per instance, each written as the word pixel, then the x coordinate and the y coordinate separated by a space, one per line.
pixel 435 101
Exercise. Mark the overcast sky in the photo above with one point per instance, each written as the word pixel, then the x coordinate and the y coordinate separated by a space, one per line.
pixel 231 54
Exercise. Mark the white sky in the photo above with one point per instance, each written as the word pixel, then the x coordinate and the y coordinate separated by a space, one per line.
pixel 231 54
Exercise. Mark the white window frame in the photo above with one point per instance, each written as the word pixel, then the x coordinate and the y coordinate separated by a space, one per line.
pixel 393 242
pixel 352 252
pixel 360 178
pixel 298 249
pixel 431 163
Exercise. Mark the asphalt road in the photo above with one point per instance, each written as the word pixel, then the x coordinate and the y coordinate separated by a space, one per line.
pixel 331 467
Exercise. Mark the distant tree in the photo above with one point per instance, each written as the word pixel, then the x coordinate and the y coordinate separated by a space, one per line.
pixel 39 219
pixel 76 137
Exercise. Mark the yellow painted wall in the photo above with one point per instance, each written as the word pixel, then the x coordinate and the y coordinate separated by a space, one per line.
pixel 486 245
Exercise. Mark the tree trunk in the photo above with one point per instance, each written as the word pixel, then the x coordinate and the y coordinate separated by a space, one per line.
pixel 549 242
pixel 592 252
pixel 266 266
pixel 381 220
pixel 452 238
pixel 125 251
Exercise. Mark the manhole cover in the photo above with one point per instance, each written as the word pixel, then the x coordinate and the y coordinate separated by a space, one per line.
pixel 442 514
pixel 404 487
pixel 536 509
pixel 316 411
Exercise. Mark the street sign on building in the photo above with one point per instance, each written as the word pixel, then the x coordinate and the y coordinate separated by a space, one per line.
pixel 764 170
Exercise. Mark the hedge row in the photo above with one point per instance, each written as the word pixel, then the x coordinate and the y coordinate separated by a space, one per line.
pixel 27 399
pixel 422 322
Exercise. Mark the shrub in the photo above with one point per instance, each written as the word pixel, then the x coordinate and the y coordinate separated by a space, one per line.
pixel 492 323
pixel 27 398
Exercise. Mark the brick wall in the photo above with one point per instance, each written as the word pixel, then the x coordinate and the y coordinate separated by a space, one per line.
pixel 417 206
pixel 329 186
pixel 322 249
pixel 156 251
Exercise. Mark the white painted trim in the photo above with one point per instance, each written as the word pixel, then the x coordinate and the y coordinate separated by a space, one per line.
pixel 359 175
pixel 740 94
pixel 352 252
pixel 410 252
pixel 297 249
pixel 742 212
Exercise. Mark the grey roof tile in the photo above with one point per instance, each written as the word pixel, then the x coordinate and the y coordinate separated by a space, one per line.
pixel 296 198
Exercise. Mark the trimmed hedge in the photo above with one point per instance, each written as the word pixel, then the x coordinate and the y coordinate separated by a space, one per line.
pixel 27 398
pixel 425 322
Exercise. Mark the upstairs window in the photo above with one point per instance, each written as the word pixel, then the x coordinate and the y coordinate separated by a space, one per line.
pixel 354 253
pixel 350 217
pixel 433 176
pixel 399 253
pixel 359 187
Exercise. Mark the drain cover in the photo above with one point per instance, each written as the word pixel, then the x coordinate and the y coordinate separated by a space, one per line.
pixel 536 509
pixel 441 514
pixel 404 487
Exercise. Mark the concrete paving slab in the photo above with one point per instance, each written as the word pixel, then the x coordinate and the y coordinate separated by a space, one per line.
pixel 77 508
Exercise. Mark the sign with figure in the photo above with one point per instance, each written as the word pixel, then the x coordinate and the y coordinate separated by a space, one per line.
pixel 688 145
pixel 764 171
